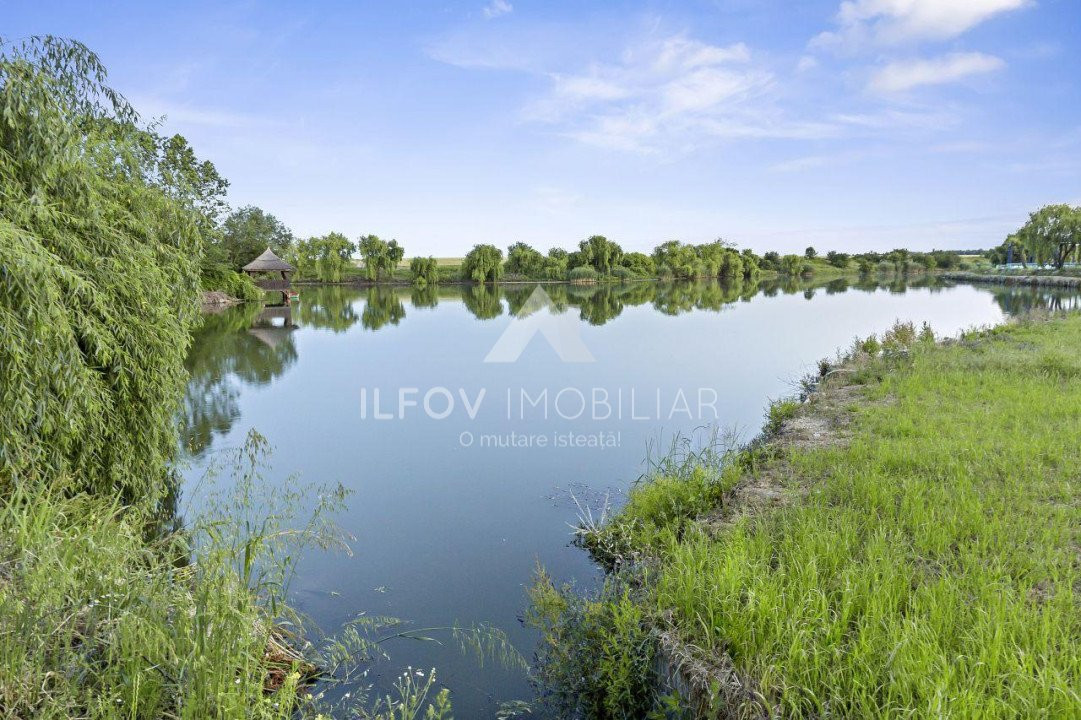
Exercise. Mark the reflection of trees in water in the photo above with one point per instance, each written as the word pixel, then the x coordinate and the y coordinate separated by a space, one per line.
pixel 597 306
pixel 383 307
pixel 244 343
pixel 424 297
pixel 834 287
pixel 1016 300
pixel 483 301
pixel 329 308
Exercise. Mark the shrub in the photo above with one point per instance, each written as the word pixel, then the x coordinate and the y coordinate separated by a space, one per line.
pixel 233 284
pixel 778 412
pixel 583 274
pixel 596 660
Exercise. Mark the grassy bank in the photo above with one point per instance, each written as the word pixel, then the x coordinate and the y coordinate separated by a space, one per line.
pixel 904 544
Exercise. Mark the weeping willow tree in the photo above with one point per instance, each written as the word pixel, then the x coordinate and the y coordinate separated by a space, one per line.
pixel 101 235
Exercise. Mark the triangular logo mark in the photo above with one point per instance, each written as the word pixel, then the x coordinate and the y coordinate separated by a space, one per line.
pixel 561 331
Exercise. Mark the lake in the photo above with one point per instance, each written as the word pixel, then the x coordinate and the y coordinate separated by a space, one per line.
pixel 472 422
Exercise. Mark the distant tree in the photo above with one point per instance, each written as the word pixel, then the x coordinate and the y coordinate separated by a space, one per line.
pixel 380 257
pixel 710 258
pixel 334 254
pixel 946 260
pixel 600 253
pixel 555 264
pixel 524 260
pixel 249 231
pixel 792 265
pixel 1052 233
pixel 731 265
pixel 751 263
pixel 424 271
pixel 771 261
pixel 484 263
pixel 925 260
pixel 395 253
pixel 640 264
pixel 837 259
pixel 810 253
pixel 678 260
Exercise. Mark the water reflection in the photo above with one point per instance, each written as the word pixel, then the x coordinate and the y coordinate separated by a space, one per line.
pixel 248 344
pixel 252 344
pixel 450 533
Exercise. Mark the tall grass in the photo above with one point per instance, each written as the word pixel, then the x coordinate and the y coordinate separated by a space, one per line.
pixel 924 566
pixel 98 621
pixel 932 569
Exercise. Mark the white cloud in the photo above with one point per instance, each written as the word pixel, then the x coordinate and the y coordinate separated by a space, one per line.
pixel 662 94
pixel 496 8
pixel 888 22
pixel 907 74
pixel 807 63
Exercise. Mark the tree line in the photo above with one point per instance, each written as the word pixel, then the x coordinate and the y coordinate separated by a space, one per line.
pixel 330 257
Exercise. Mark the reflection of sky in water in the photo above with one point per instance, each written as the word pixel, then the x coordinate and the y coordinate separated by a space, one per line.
pixel 450 534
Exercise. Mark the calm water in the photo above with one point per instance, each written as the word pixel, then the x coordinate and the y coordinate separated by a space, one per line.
pixel 451 516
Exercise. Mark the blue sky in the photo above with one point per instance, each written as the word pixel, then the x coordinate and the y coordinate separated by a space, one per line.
pixel 865 124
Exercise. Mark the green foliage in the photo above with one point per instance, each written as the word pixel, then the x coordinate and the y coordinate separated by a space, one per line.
pixel 810 253
pixel 100 623
pixel 600 253
pixel 555 264
pixel 778 412
pixel 323 258
pixel 424 271
pixel 524 260
pixel 484 263
pixel 231 283
pixel 930 556
pixel 640 264
pixel 100 246
pixel 677 260
pixel 380 257
pixel 791 265
pixel 247 232
pixel 596 656
pixel 583 274
pixel 751 263
pixel 837 259
pixel 1051 235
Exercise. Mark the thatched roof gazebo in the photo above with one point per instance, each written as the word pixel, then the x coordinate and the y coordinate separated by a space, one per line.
pixel 263 269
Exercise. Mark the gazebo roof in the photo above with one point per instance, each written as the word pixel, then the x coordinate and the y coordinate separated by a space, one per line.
pixel 268 262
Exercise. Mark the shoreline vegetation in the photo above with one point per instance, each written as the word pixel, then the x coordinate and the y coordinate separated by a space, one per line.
pixel 114 601
pixel 901 539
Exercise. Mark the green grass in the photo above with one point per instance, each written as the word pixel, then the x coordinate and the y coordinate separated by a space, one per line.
pixel 927 568
pixel 99 624
pixel 102 616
